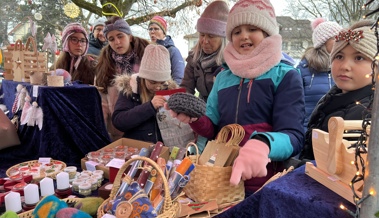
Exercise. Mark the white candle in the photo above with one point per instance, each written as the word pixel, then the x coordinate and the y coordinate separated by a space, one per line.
pixel 63 181
pixel 13 202
pixel 31 194
pixel 47 186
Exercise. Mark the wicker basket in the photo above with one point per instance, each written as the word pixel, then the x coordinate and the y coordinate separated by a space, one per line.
pixel 169 209
pixel 29 213
pixel 42 172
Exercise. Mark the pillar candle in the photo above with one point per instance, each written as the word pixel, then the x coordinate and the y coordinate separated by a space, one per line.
pixel 63 181
pixel 13 202
pixel 47 186
pixel 31 194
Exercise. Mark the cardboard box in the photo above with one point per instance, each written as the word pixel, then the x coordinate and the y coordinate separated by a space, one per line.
pixel 165 153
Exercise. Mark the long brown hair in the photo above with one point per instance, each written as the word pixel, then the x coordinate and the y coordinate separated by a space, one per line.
pixel 86 69
pixel 106 66
pixel 318 59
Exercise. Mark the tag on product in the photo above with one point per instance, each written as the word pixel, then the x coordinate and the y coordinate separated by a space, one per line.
pixel 116 163
pixel 35 91
pixel 91 165
pixel 44 160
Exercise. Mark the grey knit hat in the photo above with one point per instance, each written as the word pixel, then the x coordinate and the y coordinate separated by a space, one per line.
pixel 187 104
pixel 359 36
pixel 213 19
pixel 155 63
pixel 120 25
pixel 98 22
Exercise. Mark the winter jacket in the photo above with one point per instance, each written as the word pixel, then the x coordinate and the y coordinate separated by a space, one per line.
pixel 316 85
pixel 271 105
pixel 336 104
pixel 177 62
pixel 195 77
pixel 95 45
pixel 136 120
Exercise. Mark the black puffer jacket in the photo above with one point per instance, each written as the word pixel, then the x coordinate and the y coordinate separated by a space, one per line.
pixel 336 104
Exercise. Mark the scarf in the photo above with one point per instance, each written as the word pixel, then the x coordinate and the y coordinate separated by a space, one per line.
pixel 124 62
pixel 266 55
pixel 208 61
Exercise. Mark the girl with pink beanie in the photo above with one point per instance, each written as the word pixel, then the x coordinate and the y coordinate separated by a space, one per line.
pixel 258 91
pixel 122 55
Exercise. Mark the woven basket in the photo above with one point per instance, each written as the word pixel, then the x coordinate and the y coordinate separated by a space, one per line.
pixel 212 182
pixel 169 208
pixel 29 213
pixel 42 172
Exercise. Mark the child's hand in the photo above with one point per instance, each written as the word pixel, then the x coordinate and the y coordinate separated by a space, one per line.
pixel 181 117
pixel 251 161
pixel 158 101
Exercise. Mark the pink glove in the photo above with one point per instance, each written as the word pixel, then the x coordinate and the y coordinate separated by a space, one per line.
pixel 181 117
pixel 251 161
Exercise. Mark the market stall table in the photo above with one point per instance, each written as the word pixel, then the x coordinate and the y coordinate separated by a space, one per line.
pixel 294 195
pixel 73 123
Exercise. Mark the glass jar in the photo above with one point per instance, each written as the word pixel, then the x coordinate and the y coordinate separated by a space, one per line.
pixel 119 155
pixel 99 179
pixel 85 189
pixel 71 170
pixel 76 183
pixel 99 172
pixel 93 156
pixel 93 183
pixel 105 159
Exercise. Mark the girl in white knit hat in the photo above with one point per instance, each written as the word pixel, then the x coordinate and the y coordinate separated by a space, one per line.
pixel 257 91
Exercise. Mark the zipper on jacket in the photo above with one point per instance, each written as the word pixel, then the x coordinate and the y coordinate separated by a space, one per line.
pixel 248 92
pixel 238 99
pixel 313 76
pixel 330 81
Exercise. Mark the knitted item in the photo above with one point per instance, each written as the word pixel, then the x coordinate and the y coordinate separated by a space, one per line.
pixel 89 205
pixel 323 30
pixel 260 14
pixel 120 25
pixel 187 104
pixel 359 36
pixel 161 22
pixel 72 213
pixel 48 207
pixel 213 19
pixel 155 64
pixel 99 22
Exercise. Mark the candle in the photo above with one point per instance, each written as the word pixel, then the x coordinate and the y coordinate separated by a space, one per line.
pixel 31 194
pixel 47 186
pixel 13 202
pixel 63 181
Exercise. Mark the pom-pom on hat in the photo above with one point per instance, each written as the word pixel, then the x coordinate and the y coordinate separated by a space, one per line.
pixel 359 36
pixel 323 30
pixel 120 25
pixel 161 22
pixel 260 14
pixel 155 64
pixel 213 19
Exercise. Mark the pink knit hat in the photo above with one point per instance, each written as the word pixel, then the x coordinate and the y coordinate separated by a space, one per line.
pixel 155 64
pixel 213 19
pixel 161 22
pixel 259 13
pixel 323 30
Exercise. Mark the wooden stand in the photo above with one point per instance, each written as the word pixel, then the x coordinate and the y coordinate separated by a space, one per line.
pixel 334 160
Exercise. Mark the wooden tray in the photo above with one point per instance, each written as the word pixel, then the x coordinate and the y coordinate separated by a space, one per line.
pixel 43 173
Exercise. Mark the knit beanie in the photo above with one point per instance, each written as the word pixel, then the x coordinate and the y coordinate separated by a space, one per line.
pixel 120 25
pixel 259 13
pixel 323 30
pixel 161 22
pixel 155 64
pixel 187 104
pixel 359 36
pixel 99 22
pixel 213 19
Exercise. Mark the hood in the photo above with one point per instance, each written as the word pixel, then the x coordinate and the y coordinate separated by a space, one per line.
pixel 127 84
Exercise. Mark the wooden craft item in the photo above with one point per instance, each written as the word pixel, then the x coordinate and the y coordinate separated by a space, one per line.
pixel 334 158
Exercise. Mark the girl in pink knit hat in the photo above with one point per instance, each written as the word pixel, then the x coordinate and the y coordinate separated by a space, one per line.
pixel 258 91
pixel 122 55
pixel 74 58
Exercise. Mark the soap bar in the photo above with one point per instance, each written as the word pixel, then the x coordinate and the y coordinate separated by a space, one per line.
pixel 105 190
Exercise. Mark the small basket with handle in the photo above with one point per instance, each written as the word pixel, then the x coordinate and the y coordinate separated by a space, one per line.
pixel 169 208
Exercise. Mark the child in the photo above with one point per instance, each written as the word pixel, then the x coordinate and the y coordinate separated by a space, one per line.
pixel 257 91
pixel 315 64
pixel 351 56
pixel 122 55
pixel 137 105
pixel 73 58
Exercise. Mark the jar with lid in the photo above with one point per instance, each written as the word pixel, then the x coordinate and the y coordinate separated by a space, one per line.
pixel 76 183
pixel 85 189
pixel 71 170
pixel 99 179
pixel 93 184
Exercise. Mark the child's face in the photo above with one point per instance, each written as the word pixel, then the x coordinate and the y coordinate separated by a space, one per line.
pixel 350 69
pixel 246 37
pixel 119 41
pixel 77 44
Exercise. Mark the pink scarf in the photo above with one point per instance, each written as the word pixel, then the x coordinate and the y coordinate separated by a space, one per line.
pixel 265 56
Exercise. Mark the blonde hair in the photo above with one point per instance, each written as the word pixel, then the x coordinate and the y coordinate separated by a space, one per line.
pixel 145 95
pixel 318 59
pixel 198 51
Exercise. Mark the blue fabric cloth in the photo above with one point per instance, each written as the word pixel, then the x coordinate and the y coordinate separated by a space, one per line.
pixel 294 195
pixel 177 61
pixel 73 124
pixel 316 85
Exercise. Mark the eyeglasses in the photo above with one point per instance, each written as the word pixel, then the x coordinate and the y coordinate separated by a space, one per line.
pixel 99 29
pixel 155 29
pixel 76 40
